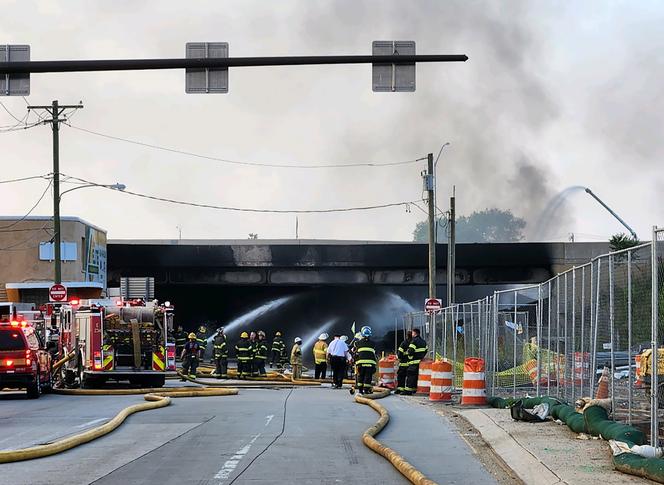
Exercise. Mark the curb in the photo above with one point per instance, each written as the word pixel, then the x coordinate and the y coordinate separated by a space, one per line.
pixel 522 462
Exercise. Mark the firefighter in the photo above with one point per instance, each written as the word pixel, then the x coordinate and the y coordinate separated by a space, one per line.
pixel 243 354
pixel 402 355
pixel 201 337
pixel 180 339
pixel 260 355
pixel 416 352
pixel 320 356
pixel 221 354
pixel 296 358
pixel 189 356
pixel 253 363
pixel 278 347
pixel 365 361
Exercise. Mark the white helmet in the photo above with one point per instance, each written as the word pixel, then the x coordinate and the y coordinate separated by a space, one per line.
pixel 298 340
pixel 344 338
pixel 323 336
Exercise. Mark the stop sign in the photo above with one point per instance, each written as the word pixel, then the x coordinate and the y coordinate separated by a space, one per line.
pixel 57 292
pixel 433 304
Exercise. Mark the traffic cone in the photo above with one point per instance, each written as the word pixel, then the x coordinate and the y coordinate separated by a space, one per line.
pixel 603 385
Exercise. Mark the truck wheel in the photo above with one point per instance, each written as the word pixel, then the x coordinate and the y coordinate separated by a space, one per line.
pixel 34 388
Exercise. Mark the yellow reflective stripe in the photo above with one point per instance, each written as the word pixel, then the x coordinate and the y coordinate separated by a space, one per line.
pixel 366 361
pixel 366 349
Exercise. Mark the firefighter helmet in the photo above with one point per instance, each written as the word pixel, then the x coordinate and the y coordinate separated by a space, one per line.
pixel 261 333
pixel 323 336
pixel 344 338
pixel 366 331
pixel 278 334
pixel 297 340
pixel 244 335
pixel 202 329
pixel 192 335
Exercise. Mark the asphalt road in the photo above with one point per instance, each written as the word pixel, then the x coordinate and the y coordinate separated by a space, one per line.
pixel 304 436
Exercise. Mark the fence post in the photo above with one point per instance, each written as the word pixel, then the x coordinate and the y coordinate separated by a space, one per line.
pixel 514 346
pixel 574 354
pixel 594 367
pixel 558 336
pixel 654 398
pixel 612 327
pixel 548 341
pixel 567 359
pixel 583 321
pixel 539 338
pixel 629 336
pixel 496 298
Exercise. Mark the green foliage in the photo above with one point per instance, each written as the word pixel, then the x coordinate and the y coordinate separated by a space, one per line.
pixel 622 241
pixel 489 225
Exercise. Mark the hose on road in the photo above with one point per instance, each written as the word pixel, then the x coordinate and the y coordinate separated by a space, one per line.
pixel 156 398
pixel 369 440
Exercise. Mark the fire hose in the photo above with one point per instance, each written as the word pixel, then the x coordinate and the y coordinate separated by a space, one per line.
pixel 369 440
pixel 156 398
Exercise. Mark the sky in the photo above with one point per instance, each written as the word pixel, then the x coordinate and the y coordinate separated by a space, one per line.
pixel 554 94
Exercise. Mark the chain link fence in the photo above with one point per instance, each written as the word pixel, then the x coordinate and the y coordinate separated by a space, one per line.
pixel 559 338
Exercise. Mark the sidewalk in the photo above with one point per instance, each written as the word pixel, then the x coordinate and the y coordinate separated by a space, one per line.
pixel 544 453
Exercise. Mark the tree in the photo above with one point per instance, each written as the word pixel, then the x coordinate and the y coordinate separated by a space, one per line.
pixel 622 241
pixel 490 226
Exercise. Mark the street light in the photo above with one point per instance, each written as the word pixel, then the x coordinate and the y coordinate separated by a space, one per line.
pixel 56 223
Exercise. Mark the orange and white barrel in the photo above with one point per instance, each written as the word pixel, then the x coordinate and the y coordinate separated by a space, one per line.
pixel 424 376
pixel 581 366
pixel 386 374
pixel 473 392
pixel 441 381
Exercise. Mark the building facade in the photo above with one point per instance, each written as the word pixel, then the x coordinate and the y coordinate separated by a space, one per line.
pixel 27 258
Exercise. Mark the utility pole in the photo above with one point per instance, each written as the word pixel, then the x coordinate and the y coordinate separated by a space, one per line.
pixel 430 186
pixel 55 110
pixel 451 250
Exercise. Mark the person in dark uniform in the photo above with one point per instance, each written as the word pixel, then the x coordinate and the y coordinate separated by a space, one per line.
pixel 365 361
pixel 189 357
pixel 402 355
pixel 201 337
pixel 260 355
pixel 243 354
pixel 416 352
pixel 278 347
pixel 180 340
pixel 221 354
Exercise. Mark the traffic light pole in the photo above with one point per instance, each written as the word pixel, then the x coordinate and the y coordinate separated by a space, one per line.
pixel 210 63
pixel 55 110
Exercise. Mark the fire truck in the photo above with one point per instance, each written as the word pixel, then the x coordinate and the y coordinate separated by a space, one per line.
pixel 119 341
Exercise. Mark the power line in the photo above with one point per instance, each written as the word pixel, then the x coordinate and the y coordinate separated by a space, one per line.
pixel 33 177
pixel 248 209
pixel 9 112
pixel 15 246
pixel 31 209
pixel 239 162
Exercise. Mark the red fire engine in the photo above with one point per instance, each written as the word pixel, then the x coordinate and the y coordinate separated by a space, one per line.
pixel 111 342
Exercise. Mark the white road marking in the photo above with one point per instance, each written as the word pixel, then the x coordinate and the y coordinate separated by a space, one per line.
pixel 89 423
pixel 269 419
pixel 231 464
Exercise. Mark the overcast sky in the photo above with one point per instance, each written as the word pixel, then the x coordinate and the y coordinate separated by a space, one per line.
pixel 554 95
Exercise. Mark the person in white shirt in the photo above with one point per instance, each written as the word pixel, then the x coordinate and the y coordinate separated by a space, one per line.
pixel 338 355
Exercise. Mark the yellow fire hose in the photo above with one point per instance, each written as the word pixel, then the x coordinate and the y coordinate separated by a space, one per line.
pixel 156 398
pixel 369 440
pixel 63 361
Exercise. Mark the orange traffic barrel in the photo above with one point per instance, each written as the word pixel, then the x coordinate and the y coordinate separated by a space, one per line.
pixel 603 385
pixel 386 372
pixel 473 392
pixel 531 368
pixel 424 376
pixel 441 381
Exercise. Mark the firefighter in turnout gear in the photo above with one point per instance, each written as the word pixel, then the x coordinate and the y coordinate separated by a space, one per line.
pixel 180 340
pixel 221 354
pixel 201 338
pixel 260 354
pixel 296 358
pixel 402 355
pixel 278 347
pixel 320 356
pixel 416 352
pixel 243 354
pixel 189 357
pixel 366 361
pixel 253 363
